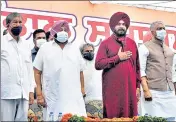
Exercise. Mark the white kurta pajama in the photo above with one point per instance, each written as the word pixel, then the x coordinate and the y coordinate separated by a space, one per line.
pixel 17 78
pixel 93 82
pixel 61 78
pixel 163 103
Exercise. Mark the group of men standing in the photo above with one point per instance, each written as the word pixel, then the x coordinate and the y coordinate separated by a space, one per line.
pixel 65 79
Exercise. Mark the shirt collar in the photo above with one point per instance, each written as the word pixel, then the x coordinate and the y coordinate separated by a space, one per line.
pixel 34 51
pixel 10 38
pixel 161 43
pixel 54 43
pixel 120 39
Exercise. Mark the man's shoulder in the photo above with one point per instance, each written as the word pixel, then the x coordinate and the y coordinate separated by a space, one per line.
pixel 130 39
pixel 106 41
pixel 47 45
pixel 74 48
pixel 168 48
pixel 147 43
pixel 27 45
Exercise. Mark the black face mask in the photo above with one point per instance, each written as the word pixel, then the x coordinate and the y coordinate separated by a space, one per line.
pixel 16 30
pixel 88 56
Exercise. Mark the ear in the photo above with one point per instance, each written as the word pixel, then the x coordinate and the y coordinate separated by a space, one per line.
pixel 34 41
pixel 7 25
pixel 69 34
pixel 153 33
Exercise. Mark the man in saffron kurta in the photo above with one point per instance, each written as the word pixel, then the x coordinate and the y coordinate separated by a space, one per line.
pixel 118 58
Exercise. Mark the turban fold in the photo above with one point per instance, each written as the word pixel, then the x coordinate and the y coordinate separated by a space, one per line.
pixel 57 27
pixel 116 17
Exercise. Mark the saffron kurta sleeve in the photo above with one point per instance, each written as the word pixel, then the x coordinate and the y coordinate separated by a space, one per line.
pixel 102 60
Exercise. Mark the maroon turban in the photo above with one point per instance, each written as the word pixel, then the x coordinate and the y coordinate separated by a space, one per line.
pixel 116 17
pixel 57 27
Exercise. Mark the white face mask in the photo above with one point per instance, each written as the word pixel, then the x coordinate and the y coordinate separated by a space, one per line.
pixel 61 36
pixel 40 42
pixel 161 34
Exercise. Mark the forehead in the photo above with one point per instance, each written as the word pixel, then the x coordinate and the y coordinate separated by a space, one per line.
pixel 19 18
pixel 42 34
pixel 88 48
pixel 157 25
pixel 121 21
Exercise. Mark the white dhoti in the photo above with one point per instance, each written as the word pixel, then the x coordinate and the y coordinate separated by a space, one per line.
pixel 163 104
pixel 14 110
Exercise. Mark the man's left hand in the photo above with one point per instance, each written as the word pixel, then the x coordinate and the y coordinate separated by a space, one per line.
pixel 31 98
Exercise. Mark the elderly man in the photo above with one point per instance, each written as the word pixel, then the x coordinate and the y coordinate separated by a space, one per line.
pixel 17 79
pixel 118 57
pixel 60 64
pixel 93 83
pixel 156 59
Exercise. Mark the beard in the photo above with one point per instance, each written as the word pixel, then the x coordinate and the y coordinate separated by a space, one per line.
pixel 120 32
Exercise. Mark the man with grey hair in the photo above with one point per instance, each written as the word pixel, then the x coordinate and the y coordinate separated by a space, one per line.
pixel 17 79
pixel 156 61
pixel 92 83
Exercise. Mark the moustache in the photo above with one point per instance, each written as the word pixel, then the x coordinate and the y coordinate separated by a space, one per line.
pixel 121 29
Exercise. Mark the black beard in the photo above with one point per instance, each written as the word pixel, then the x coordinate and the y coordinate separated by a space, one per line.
pixel 120 33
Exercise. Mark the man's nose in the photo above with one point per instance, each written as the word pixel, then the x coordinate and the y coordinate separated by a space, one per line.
pixel 18 24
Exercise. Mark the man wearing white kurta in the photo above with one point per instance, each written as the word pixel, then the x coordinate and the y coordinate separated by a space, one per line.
pixel 156 60
pixel 17 77
pixel 61 65
pixel 92 83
